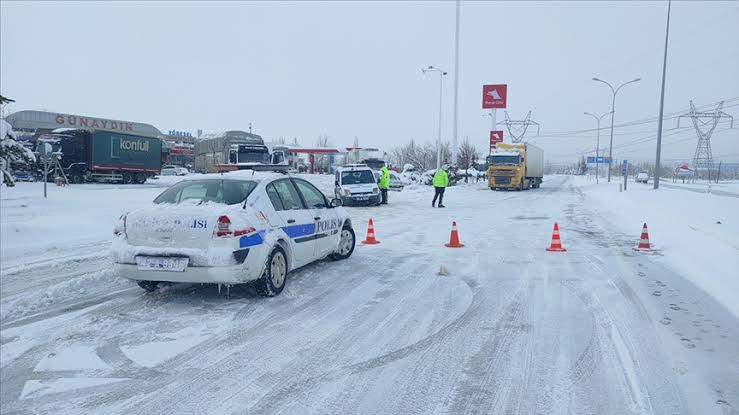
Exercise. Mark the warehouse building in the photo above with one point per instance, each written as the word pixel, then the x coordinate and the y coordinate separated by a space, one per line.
pixel 30 124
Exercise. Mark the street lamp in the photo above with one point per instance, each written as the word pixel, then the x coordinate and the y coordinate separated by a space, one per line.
pixel 442 73
pixel 613 110
pixel 597 142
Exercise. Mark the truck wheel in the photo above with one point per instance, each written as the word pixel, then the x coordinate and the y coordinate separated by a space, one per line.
pixel 140 178
pixel 520 186
pixel 149 286
pixel 346 244
pixel 275 274
pixel 76 179
pixel 127 178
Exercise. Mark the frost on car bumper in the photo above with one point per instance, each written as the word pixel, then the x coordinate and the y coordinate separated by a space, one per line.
pixel 224 266
pixel 235 274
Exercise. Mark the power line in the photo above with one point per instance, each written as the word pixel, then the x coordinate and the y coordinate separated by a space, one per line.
pixel 672 115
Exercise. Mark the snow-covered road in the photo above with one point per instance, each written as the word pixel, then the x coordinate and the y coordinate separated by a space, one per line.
pixel 512 329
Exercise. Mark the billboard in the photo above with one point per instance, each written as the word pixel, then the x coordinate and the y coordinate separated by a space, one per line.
pixel 494 96
pixel 495 138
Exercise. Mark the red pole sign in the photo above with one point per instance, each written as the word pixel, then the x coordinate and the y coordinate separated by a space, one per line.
pixel 494 96
pixel 495 138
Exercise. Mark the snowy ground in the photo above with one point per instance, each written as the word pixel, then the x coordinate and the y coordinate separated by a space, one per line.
pixel 512 329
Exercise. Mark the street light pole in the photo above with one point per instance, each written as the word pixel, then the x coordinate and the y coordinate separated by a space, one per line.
pixel 456 89
pixel 613 111
pixel 597 143
pixel 441 89
pixel 662 103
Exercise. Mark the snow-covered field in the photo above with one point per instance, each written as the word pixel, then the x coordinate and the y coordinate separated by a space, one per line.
pixel 512 329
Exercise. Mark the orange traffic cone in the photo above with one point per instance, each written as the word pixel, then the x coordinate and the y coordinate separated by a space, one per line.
pixel 643 240
pixel 556 245
pixel 370 240
pixel 454 237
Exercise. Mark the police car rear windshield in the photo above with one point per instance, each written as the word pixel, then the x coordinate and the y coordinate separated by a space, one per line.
pixel 228 192
pixel 357 177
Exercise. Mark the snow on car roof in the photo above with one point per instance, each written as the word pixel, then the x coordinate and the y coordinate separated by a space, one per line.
pixel 239 175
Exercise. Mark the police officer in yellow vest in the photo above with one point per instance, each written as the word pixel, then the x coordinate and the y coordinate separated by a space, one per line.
pixel 384 183
pixel 440 182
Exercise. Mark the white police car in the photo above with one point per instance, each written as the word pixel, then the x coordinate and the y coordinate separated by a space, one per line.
pixel 229 229
pixel 356 185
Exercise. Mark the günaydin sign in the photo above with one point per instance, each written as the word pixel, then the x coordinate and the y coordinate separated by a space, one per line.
pixel 79 121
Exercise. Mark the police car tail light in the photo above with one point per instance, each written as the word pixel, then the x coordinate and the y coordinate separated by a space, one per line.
pixel 244 231
pixel 223 229
pixel 224 226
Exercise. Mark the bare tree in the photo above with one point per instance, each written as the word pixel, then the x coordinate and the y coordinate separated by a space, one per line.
pixel 466 156
pixel 321 160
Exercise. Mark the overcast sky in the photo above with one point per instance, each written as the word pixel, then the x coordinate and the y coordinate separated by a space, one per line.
pixel 346 69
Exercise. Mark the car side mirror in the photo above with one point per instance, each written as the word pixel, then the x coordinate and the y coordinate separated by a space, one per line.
pixel 336 203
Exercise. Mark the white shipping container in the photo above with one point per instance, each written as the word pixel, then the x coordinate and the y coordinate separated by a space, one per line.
pixel 534 161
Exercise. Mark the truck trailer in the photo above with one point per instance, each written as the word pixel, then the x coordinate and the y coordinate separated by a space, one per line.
pixel 90 155
pixel 515 166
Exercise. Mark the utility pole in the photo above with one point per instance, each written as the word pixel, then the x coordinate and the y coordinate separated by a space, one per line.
pixel 597 143
pixel 456 88
pixel 442 73
pixel 613 111
pixel 662 102
pixel 517 133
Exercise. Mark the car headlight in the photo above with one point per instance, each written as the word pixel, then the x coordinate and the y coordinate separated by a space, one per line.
pixel 347 192
pixel 375 190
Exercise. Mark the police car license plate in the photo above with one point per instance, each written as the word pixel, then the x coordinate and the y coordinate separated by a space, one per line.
pixel 151 263
pixel 362 198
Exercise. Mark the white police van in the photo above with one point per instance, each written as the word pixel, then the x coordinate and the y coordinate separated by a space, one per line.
pixel 356 184
pixel 231 228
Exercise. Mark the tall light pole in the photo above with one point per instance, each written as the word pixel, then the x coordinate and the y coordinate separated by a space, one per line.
pixel 442 73
pixel 613 111
pixel 456 88
pixel 662 103
pixel 597 142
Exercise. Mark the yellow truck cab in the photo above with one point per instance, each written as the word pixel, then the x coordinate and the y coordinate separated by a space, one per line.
pixel 515 166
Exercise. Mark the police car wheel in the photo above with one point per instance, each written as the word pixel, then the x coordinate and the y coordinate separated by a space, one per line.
pixel 275 273
pixel 149 286
pixel 347 241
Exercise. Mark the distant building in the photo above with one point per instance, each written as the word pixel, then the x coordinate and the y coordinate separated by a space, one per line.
pixel 30 124
pixel 180 146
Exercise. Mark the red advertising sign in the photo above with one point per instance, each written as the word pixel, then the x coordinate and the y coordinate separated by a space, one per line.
pixel 495 138
pixel 494 96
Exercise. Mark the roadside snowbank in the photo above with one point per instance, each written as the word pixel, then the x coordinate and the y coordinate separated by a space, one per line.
pixel 696 234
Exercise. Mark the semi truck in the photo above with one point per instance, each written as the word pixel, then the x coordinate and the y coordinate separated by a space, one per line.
pixel 517 166
pixel 89 155
pixel 231 150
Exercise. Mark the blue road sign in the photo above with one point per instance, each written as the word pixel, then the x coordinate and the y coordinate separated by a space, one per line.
pixel 625 168
pixel 599 160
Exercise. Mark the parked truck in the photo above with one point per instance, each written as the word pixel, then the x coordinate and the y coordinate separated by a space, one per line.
pixel 515 166
pixel 232 150
pixel 89 155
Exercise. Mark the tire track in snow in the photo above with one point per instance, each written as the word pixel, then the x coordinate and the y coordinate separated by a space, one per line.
pixel 256 337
